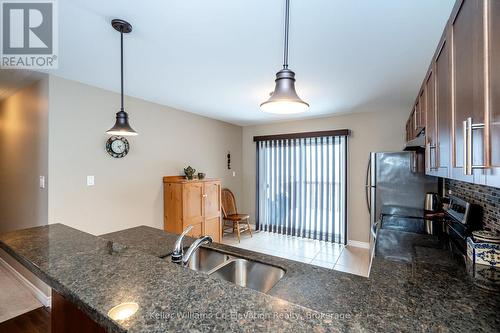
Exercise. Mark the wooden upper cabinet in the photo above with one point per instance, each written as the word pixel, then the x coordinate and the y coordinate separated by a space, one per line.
pixel 411 129
pixel 408 129
pixel 467 33
pixel 430 124
pixel 443 100
pixel 416 118
pixel 493 94
pixel 463 115
pixel 422 102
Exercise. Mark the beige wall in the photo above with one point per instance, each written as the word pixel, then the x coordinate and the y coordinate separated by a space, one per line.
pixel 373 131
pixel 23 157
pixel 127 191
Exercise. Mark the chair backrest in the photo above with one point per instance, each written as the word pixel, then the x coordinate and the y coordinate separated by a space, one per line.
pixel 228 202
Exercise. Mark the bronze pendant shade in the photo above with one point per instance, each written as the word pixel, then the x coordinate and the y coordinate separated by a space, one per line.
pixel 284 98
pixel 122 126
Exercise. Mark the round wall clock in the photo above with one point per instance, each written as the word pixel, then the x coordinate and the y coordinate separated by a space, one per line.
pixel 117 146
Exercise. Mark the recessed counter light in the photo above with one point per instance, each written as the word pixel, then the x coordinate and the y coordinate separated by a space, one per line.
pixel 123 311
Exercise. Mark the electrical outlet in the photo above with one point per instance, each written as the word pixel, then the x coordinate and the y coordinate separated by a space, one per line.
pixel 234 173
pixel 90 181
pixel 42 181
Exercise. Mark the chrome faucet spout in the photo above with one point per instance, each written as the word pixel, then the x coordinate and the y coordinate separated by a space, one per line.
pixel 197 243
pixel 178 248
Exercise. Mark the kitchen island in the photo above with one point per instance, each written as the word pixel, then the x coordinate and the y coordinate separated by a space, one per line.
pixel 433 292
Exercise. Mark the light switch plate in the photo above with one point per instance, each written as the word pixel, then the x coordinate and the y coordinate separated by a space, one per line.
pixel 42 181
pixel 90 181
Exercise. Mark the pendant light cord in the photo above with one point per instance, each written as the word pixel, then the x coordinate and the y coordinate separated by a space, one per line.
pixel 287 27
pixel 121 66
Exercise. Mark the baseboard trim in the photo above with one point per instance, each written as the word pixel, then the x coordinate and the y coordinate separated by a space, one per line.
pixel 363 245
pixel 39 295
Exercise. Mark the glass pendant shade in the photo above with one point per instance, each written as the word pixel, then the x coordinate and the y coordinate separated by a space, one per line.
pixel 284 99
pixel 122 127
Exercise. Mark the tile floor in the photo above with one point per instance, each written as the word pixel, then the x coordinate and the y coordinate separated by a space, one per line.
pixel 348 258
pixel 15 298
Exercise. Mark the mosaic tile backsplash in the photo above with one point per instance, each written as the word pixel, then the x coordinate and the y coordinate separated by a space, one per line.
pixel 486 197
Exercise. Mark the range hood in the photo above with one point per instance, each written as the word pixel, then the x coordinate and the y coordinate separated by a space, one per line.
pixel 416 144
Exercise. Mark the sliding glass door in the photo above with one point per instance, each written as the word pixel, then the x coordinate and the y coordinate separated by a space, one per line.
pixel 302 187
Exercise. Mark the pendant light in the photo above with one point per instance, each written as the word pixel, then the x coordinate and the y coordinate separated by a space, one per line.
pixel 122 127
pixel 284 98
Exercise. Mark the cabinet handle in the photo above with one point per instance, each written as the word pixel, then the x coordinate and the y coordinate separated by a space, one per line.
pixel 431 149
pixel 415 119
pixel 204 195
pixel 464 133
pixel 468 151
pixel 428 156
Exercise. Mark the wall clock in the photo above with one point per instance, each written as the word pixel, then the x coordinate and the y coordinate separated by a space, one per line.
pixel 117 146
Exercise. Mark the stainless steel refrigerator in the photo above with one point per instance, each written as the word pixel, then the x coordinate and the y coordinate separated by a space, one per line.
pixel 395 186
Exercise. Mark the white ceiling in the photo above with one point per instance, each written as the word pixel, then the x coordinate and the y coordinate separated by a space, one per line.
pixel 218 58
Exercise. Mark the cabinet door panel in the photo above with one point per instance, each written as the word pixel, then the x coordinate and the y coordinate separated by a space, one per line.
pixel 196 231
pixel 213 228
pixel 417 117
pixel 412 123
pixel 407 130
pixel 430 124
pixel 423 108
pixel 468 71
pixel 443 109
pixel 212 199
pixel 172 207
pixel 193 203
pixel 493 175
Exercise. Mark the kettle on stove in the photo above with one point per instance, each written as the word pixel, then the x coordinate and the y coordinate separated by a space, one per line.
pixel 432 202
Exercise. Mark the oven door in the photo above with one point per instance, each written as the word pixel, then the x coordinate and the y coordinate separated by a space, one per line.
pixel 457 233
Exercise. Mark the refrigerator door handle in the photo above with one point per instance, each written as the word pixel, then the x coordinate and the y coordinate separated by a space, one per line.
pixel 413 162
pixel 374 229
pixel 368 185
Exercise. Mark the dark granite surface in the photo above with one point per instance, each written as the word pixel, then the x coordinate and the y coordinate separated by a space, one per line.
pixel 96 275
pixel 428 292
pixel 414 285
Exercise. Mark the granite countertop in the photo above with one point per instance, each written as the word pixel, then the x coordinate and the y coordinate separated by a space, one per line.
pixel 430 292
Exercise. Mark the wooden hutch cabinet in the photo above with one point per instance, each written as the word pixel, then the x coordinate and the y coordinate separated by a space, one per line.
pixel 192 202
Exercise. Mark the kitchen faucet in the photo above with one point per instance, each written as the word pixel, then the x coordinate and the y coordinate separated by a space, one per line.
pixel 178 256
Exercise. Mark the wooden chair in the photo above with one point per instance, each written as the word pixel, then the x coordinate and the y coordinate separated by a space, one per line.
pixel 231 215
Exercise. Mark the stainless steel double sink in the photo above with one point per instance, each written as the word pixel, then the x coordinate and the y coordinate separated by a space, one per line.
pixel 243 272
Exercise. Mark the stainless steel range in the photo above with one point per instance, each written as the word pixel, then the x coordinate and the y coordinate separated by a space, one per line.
pixel 460 221
pixel 448 230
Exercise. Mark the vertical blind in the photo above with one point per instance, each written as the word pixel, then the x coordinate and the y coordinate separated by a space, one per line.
pixel 301 187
